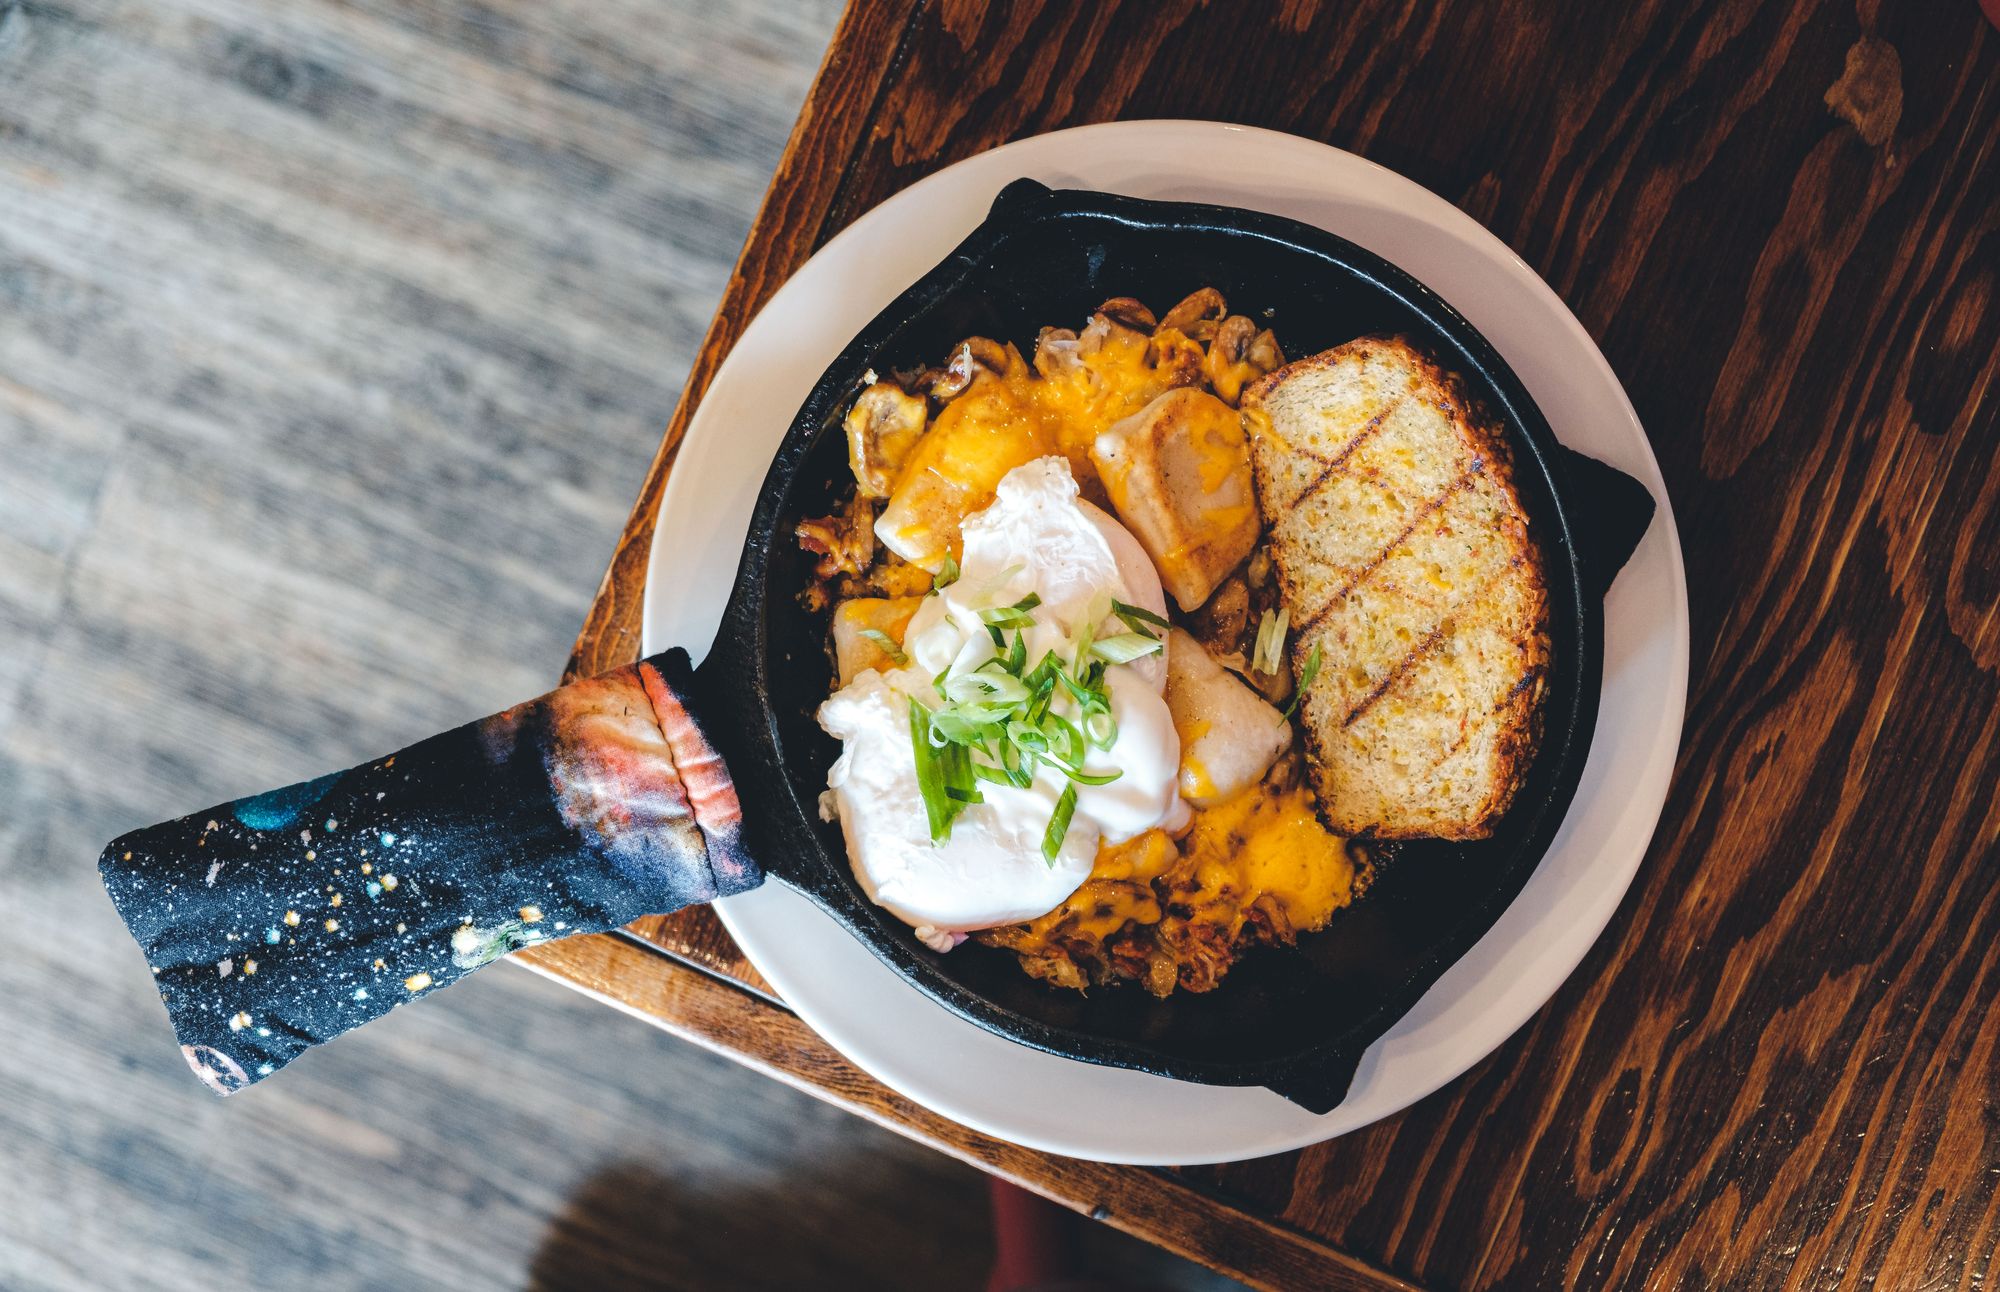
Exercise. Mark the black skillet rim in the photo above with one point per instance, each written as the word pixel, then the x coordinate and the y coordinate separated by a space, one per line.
pixel 736 676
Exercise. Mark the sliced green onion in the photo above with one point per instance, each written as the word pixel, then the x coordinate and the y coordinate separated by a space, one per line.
pixel 938 808
pixel 1082 690
pixel 1014 616
pixel 1126 647
pixel 1003 618
pixel 947 573
pixel 1041 683
pixel 1065 739
pixel 1020 768
pixel 981 686
pixel 960 784
pixel 1052 838
pixel 1028 739
pixel 958 727
pixel 1083 643
pixel 1136 617
pixel 1270 647
pixel 886 644
pixel 996 723
pixel 1306 676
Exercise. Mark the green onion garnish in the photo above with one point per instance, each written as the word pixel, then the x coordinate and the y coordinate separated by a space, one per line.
pixel 947 573
pixel 1136 617
pixel 1014 616
pixel 1270 645
pixel 886 644
pixel 996 724
pixel 985 686
pixel 1052 838
pixel 1126 647
pixel 1065 739
pixel 1306 676
pixel 1086 690
pixel 938 809
pixel 1083 643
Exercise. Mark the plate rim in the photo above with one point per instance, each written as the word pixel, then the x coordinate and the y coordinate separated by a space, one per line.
pixel 739 913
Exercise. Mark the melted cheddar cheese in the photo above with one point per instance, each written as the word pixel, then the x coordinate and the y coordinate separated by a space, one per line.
pixel 1179 478
pixel 1268 842
pixel 1256 867
pixel 1194 778
pixel 1118 892
pixel 1005 419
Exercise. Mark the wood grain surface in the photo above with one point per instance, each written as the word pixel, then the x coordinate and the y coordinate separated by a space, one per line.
pixel 333 338
pixel 1781 222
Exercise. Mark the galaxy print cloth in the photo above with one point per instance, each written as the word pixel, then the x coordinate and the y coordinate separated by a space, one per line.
pixel 277 922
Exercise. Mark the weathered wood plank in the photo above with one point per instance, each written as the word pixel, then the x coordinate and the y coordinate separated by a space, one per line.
pixel 772 1040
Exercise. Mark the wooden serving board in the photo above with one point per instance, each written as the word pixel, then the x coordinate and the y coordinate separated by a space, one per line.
pixel 1781 222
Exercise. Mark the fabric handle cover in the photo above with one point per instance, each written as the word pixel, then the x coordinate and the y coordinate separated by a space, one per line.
pixel 277 922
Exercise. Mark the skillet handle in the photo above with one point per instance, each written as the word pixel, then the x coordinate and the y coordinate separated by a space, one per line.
pixel 277 922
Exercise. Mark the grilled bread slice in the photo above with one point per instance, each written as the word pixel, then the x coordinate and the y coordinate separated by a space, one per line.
pixel 1403 555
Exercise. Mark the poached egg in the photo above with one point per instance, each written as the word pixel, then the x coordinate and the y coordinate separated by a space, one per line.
pixel 1038 536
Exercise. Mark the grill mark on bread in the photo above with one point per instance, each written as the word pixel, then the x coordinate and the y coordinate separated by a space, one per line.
pixel 1368 428
pixel 1403 665
pixel 1330 464
pixel 1429 509
pixel 1417 653
pixel 1379 773
pixel 1505 702
pixel 1528 679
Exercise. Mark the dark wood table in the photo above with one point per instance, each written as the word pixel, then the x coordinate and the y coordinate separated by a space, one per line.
pixel 1780 1066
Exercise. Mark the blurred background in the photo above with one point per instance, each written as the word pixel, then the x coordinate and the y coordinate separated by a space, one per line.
pixel 334 341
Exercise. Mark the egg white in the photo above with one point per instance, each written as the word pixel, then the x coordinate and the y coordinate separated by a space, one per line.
pixel 1037 536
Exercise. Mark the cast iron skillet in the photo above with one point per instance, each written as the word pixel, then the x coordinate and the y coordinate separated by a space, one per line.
pixel 1295 1021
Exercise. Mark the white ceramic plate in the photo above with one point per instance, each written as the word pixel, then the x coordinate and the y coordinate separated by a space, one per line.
pixel 1060 1105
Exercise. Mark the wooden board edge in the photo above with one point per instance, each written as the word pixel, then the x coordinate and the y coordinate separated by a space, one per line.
pixel 1149 1204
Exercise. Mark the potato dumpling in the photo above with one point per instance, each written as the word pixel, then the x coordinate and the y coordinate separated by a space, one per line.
pixel 1178 472
pixel 1229 736
pixel 855 648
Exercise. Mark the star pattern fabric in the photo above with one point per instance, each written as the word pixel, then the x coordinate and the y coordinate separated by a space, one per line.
pixel 277 922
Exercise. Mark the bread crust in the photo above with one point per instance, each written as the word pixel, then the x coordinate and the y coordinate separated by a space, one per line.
pixel 1517 719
